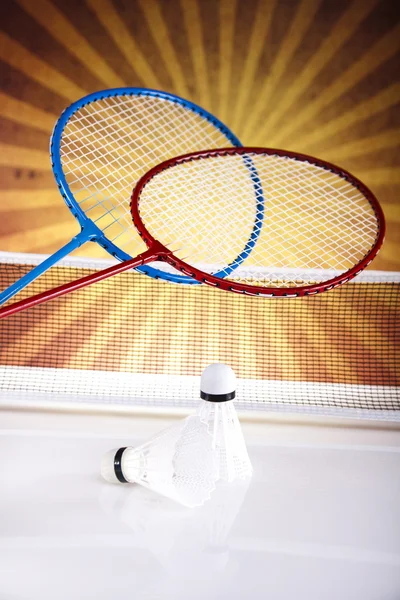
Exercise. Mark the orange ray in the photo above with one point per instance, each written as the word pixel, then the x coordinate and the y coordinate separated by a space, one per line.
pixel 21 201
pixel 38 238
pixel 162 39
pixel 192 19
pixel 343 30
pixel 390 251
pixel 380 176
pixel 382 100
pixel 118 31
pixel 15 55
pixel 373 58
pixel 363 146
pixel 26 114
pixel 53 21
pixel 16 156
pixel 227 10
pixel 391 211
pixel 297 30
pixel 261 25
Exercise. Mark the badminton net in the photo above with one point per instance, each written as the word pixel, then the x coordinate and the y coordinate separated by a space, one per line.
pixel 132 340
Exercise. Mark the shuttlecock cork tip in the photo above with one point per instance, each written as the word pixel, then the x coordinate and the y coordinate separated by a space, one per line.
pixel 218 383
pixel 111 466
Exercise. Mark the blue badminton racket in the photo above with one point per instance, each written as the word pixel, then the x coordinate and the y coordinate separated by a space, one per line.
pixel 101 146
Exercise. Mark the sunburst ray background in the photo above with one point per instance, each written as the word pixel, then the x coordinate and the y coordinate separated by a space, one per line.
pixel 316 76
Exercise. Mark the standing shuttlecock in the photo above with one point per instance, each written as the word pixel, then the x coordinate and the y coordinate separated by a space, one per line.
pixel 179 463
pixel 218 390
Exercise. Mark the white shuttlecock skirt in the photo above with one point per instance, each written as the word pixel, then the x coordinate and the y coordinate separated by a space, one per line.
pixel 185 461
pixel 228 442
pixel 179 463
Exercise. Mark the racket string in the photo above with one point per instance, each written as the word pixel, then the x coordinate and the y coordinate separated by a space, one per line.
pixel 103 155
pixel 314 220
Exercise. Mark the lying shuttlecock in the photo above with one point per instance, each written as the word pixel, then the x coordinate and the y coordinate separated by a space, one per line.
pixel 218 390
pixel 179 463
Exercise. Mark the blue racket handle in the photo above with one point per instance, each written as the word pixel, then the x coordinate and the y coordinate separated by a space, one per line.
pixel 81 238
pixel 156 252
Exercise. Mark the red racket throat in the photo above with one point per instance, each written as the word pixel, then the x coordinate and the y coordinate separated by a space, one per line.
pixel 299 225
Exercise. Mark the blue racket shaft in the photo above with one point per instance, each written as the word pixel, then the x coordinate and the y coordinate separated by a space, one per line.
pixel 83 236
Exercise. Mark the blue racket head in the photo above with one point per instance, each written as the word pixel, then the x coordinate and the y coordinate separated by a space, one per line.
pixel 103 143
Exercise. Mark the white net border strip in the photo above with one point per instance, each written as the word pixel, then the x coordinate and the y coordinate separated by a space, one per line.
pixel 97 264
pixel 58 388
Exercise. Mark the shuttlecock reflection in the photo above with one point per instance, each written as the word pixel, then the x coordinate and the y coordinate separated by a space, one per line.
pixel 180 539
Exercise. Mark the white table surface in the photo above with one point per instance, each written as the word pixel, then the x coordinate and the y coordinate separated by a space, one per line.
pixel 320 518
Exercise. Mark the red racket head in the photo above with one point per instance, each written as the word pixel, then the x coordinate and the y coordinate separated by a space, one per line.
pixel 320 226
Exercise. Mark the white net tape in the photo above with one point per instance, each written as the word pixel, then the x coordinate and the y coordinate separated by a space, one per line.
pixel 108 144
pixel 314 221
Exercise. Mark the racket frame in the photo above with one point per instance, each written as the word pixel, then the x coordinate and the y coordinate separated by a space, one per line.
pixel 89 230
pixel 251 290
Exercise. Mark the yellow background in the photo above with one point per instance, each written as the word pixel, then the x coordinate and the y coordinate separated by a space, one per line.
pixel 316 76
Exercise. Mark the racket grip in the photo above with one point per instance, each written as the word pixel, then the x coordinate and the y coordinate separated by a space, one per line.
pixel 144 258
pixel 41 268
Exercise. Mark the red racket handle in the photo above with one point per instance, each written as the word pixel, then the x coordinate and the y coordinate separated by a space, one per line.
pixel 155 252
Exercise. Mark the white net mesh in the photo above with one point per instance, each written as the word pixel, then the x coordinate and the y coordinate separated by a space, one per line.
pixel 305 220
pixel 108 144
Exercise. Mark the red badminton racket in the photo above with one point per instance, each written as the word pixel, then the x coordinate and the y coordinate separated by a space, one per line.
pixel 321 225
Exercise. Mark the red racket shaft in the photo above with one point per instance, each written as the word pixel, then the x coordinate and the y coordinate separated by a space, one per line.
pixel 142 259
